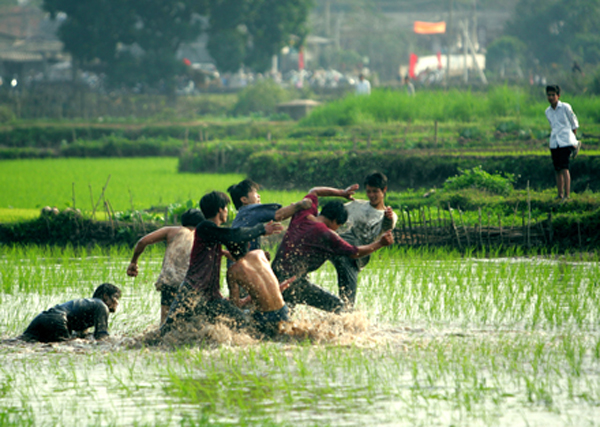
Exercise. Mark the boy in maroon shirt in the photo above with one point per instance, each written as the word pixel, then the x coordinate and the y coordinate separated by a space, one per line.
pixel 310 241
pixel 200 293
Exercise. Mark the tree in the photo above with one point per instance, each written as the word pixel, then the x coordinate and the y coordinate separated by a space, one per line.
pixel 558 31
pixel 505 52
pixel 93 29
pixel 250 32
pixel 134 40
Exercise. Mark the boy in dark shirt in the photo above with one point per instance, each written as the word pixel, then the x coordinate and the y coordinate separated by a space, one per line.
pixel 311 240
pixel 251 211
pixel 200 294
pixel 58 322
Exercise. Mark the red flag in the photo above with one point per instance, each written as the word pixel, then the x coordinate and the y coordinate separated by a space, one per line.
pixel 429 27
pixel 439 57
pixel 301 59
pixel 412 63
pixel 187 62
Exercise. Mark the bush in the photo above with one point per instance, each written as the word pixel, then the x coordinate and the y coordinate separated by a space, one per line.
pixel 260 98
pixel 479 179
pixel 6 114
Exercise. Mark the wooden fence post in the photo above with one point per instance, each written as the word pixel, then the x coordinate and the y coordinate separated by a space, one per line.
pixel 550 229
pixel 425 226
pixel 500 226
pixel 454 226
pixel 462 223
pixel 528 216
pixel 480 229
pixel 412 240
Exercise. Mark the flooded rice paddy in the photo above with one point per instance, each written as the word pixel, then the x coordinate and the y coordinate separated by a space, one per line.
pixel 437 340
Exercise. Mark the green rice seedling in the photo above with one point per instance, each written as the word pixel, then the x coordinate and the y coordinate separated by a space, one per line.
pixel 450 340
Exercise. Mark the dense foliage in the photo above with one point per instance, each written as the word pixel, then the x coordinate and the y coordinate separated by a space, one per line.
pixel 557 31
pixel 250 32
pixel 135 42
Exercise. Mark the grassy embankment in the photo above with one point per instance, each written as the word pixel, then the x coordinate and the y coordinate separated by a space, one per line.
pixel 29 185
pixel 152 185
pixel 476 126
pixel 438 340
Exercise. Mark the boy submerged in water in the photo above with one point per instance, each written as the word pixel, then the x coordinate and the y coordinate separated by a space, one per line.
pixel 58 322
pixel 177 256
pixel 200 295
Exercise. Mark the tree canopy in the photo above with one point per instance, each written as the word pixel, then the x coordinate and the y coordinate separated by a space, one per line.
pixel 136 41
pixel 250 32
pixel 558 31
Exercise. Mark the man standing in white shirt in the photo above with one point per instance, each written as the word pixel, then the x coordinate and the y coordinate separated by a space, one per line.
pixel 363 87
pixel 563 139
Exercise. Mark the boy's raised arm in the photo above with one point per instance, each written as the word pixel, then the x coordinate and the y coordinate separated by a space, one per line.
pixel 347 193
pixel 288 211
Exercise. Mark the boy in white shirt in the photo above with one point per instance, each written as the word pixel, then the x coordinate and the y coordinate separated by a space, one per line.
pixel 563 139
pixel 367 221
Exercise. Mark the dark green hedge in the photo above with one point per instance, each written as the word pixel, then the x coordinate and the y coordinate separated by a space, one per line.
pixel 404 169
pixel 68 228
pixel 53 136
pixel 108 147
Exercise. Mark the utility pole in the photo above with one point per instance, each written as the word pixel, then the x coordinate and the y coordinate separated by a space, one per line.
pixel 465 24
pixel 448 40
pixel 327 18
pixel 468 45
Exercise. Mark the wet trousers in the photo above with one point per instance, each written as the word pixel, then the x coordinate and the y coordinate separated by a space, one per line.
pixel 347 271
pixel 190 303
pixel 301 291
pixel 48 326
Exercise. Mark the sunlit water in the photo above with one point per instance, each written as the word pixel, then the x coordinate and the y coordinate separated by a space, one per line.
pixel 432 343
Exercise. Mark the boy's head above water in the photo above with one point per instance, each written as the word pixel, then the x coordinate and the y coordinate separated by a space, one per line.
pixel 244 193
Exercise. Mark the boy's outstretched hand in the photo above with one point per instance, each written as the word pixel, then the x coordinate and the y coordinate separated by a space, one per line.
pixel 286 283
pixel 388 213
pixel 273 228
pixel 349 192
pixel 387 238
pixel 132 270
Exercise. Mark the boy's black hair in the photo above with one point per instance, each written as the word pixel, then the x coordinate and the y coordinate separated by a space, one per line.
pixel 335 211
pixel 553 88
pixel 237 191
pixel 192 217
pixel 212 202
pixel 107 289
pixel 376 179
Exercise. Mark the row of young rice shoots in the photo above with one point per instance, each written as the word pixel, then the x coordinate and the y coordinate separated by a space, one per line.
pixel 452 340
pixel 400 284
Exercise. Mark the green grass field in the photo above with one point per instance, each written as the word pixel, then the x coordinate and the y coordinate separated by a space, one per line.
pixel 438 340
pixel 29 185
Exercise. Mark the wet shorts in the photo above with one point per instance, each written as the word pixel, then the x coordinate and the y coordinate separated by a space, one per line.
pixel 560 157
pixel 48 326
pixel 268 322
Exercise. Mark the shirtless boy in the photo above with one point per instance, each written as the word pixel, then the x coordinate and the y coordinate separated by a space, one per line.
pixel 177 256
